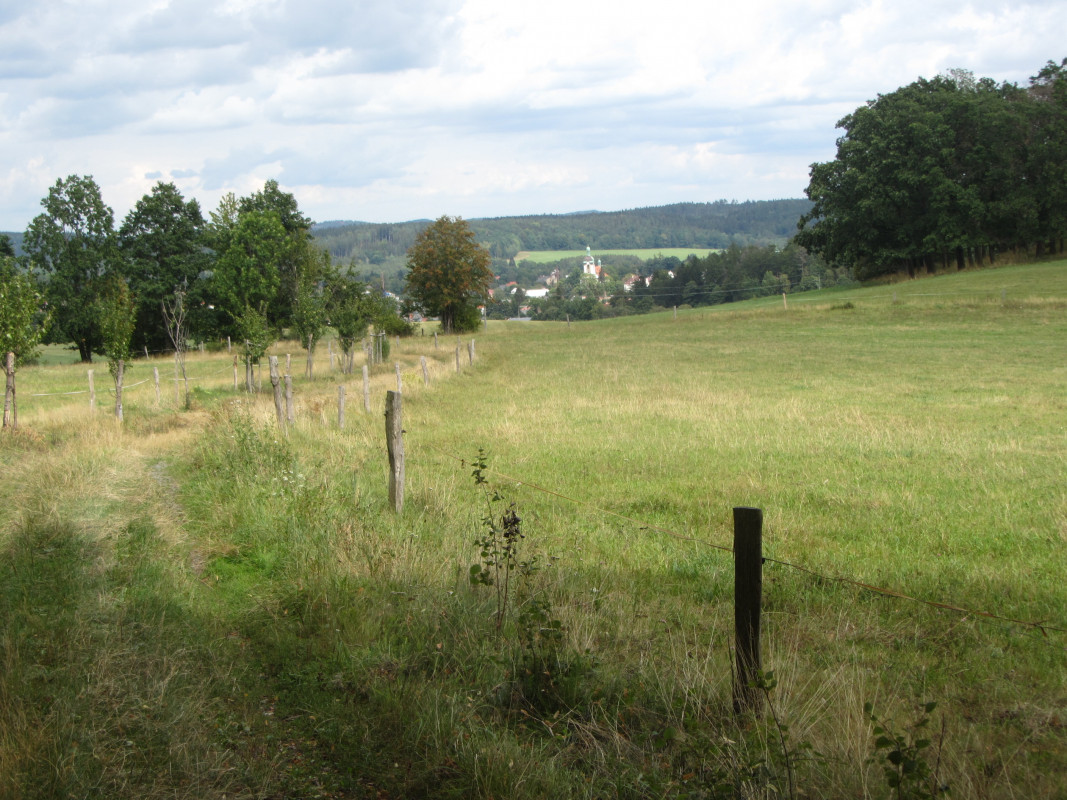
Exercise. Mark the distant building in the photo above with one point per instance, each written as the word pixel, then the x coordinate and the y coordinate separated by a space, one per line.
pixel 590 265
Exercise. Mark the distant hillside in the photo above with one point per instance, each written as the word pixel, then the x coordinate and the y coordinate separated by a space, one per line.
pixel 679 225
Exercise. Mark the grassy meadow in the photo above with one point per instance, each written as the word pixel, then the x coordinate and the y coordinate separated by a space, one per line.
pixel 198 604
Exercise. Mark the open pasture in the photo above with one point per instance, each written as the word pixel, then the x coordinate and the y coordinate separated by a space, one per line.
pixel 202 605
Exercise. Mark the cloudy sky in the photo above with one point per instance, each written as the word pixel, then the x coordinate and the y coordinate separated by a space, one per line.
pixel 388 110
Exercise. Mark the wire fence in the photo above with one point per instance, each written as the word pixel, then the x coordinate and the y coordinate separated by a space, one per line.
pixel 1042 626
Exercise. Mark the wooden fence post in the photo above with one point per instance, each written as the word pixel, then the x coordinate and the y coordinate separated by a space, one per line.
pixel 177 388
pixel 366 390
pixel 748 591
pixel 11 415
pixel 288 363
pixel 118 390
pixel 425 373
pixel 234 372
pixel 394 435
pixel 290 413
pixel 457 358
pixel 470 351
pixel 435 340
pixel 785 303
pixel 229 345
pixel 155 375
pixel 275 381
pixel 341 407
pixel 399 381
pixel 92 392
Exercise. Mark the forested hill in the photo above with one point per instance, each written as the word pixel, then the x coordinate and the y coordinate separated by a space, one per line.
pixel 678 225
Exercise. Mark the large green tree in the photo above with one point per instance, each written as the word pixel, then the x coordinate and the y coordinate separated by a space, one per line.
pixel 448 273
pixel 163 239
pixel 944 171
pixel 73 244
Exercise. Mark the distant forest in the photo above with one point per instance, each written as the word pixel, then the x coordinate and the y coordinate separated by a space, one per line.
pixel 381 247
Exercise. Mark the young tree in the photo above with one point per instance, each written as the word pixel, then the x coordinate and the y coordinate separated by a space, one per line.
pixel 73 243
pixel 22 325
pixel 349 313
pixel 117 313
pixel 309 307
pixel 448 273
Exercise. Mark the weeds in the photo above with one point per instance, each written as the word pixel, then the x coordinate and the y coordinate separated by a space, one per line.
pixel 906 769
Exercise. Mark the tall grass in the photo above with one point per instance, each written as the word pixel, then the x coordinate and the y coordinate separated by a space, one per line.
pixel 289 636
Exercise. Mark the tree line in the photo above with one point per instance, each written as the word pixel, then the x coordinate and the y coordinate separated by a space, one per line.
pixel 383 247
pixel 249 271
pixel 949 171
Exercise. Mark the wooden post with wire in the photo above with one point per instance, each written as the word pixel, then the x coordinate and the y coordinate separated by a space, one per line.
pixel 92 392
pixel 748 592
pixel 276 382
pixel 366 390
pixel 11 412
pixel 425 373
pixel 290 411
pixel 394 436
pixel 341 407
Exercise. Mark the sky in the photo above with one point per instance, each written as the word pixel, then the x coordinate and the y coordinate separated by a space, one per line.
pixel 391 110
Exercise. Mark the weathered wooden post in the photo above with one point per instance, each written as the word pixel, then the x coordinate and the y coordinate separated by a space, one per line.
pixel 329 346
pixel 275 381
pixel 785 303
pixel 435 340
pixel 155 376
pixel 290 413
pixel 394 435
pixel 341 407
pixel 11 414
pixel 146 352
pixel 118 390
pixel 235 373
pixel 399 381
pixel 177 381
pixel 748 592
pixel 457 358
pixel 229 345
pixel 288 364
pixel 470 352
pixel 676 312
pixel 366 390
pixel 398 343
pixel 92 392
pixel 425 373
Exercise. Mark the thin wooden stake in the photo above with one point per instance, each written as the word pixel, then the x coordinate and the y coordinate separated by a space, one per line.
pixel 155 375
pixel 276 382
pixel 457 358
pixel 341 407
pixel 366 390
pixel 92 392
pixel 470 352
pixel 118 390
pixel 394 434
pixel 290 412
pixel 435 340
pixel 748 593
pixel 785 303
pixel 11 414
pixel 425 373
pixel 399 380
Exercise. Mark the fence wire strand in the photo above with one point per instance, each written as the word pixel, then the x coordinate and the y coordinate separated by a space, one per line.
pixel 1042 627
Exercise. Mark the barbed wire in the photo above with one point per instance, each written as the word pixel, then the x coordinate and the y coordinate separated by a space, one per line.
pixel 1043 627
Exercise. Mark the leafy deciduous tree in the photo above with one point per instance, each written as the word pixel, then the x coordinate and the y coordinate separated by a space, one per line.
pixel 448 272
pixel 73 244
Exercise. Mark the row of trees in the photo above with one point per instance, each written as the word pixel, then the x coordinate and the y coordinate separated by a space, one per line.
pixel 248 271
pixel 942 171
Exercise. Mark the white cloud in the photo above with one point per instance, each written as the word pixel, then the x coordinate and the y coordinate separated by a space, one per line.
pixel 383 110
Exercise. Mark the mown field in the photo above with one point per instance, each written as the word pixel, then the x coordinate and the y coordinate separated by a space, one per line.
pixel 551 256
pixel 198 604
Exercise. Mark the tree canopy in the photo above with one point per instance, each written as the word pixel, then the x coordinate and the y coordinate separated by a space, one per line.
pixel 448 272
pixel 943 171
pixel 73 244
